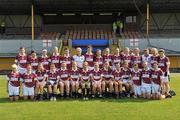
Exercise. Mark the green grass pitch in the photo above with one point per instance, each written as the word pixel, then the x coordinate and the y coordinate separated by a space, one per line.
pixel 105 109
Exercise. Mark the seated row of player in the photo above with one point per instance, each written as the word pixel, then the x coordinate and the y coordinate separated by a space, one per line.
pixel 145 82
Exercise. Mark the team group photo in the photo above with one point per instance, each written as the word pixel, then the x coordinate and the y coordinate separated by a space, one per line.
pixel 89 59
pixel 125 73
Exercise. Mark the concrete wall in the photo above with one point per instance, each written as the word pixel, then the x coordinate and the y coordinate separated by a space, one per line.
pixel 20 20
pixel 12 46
pixel 163 21
pixel 172 44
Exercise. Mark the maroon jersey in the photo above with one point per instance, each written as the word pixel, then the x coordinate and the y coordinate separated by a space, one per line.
pixel 74 75
pixel 85 75
pixel 67 60
pixel 63 74
pixel 117 75
pixel 96 75
pixel 126 74
pixel 108 58
pixel 21 60
pixel 29 79
pixel 154 59
pixel 14 79
pixel 107 74
pixel 40 75
pixel 127 58
pixel 100 61
pixel 136 77
pixel 52 75
pixel 34 62
pixel 55 59
pixel 116 59
pixel 45 62
pixel 136 60
pixel 89 59
pixel 156 76
pixel 146 76
pixel 162 63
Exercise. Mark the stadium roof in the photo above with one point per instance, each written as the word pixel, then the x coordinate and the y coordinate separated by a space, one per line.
pixel 60 6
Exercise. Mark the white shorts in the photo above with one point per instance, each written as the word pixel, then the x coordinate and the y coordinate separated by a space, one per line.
pixel 137 90
pixel 146 88
pixel 13 91
pixel 21 70
pixel 165 78
pixel 126 81
pixel 28 91
pixel 156 88
pixel 51 82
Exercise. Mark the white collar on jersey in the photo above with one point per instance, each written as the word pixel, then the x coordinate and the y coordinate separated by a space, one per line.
pixel 63 69
pixel 135 70
pixel 44 56
pixel 57 54
pixel 125 69
pixel 22 54
pixel 118 70
pixel 96 70
pixel 85 70
pixel 52 71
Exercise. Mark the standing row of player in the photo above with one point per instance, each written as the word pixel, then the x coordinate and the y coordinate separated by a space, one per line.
pixel 132 57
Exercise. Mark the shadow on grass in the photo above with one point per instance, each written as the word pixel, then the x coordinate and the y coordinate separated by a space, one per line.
pixel 122 100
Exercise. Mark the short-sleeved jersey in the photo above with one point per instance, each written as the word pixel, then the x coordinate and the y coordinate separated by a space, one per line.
pixel 163 63
pixel 14 79
pixel 117 75
pixel 117 59
pixel 100 61
pixel 107 74
pixel 96 75
pixel 52 75
pixel 63 74
pixel 126 74
pixel 154 59
pixel 136 60
pixel 85 75
pixel 108 58
pixel 147 58
pixel 74 75
pixel 21 60
pixel 40 75
pixel 89 59
pixel 45 62
pixel 55 59
pixel 29 79
pixel 127 58
pixel 156 76
pixel 146 76
pixel 34 62
pixel 79 60
pixel 136 77
pixel 67 60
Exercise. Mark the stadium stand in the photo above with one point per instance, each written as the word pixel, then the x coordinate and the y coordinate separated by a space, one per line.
pixel 50 35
